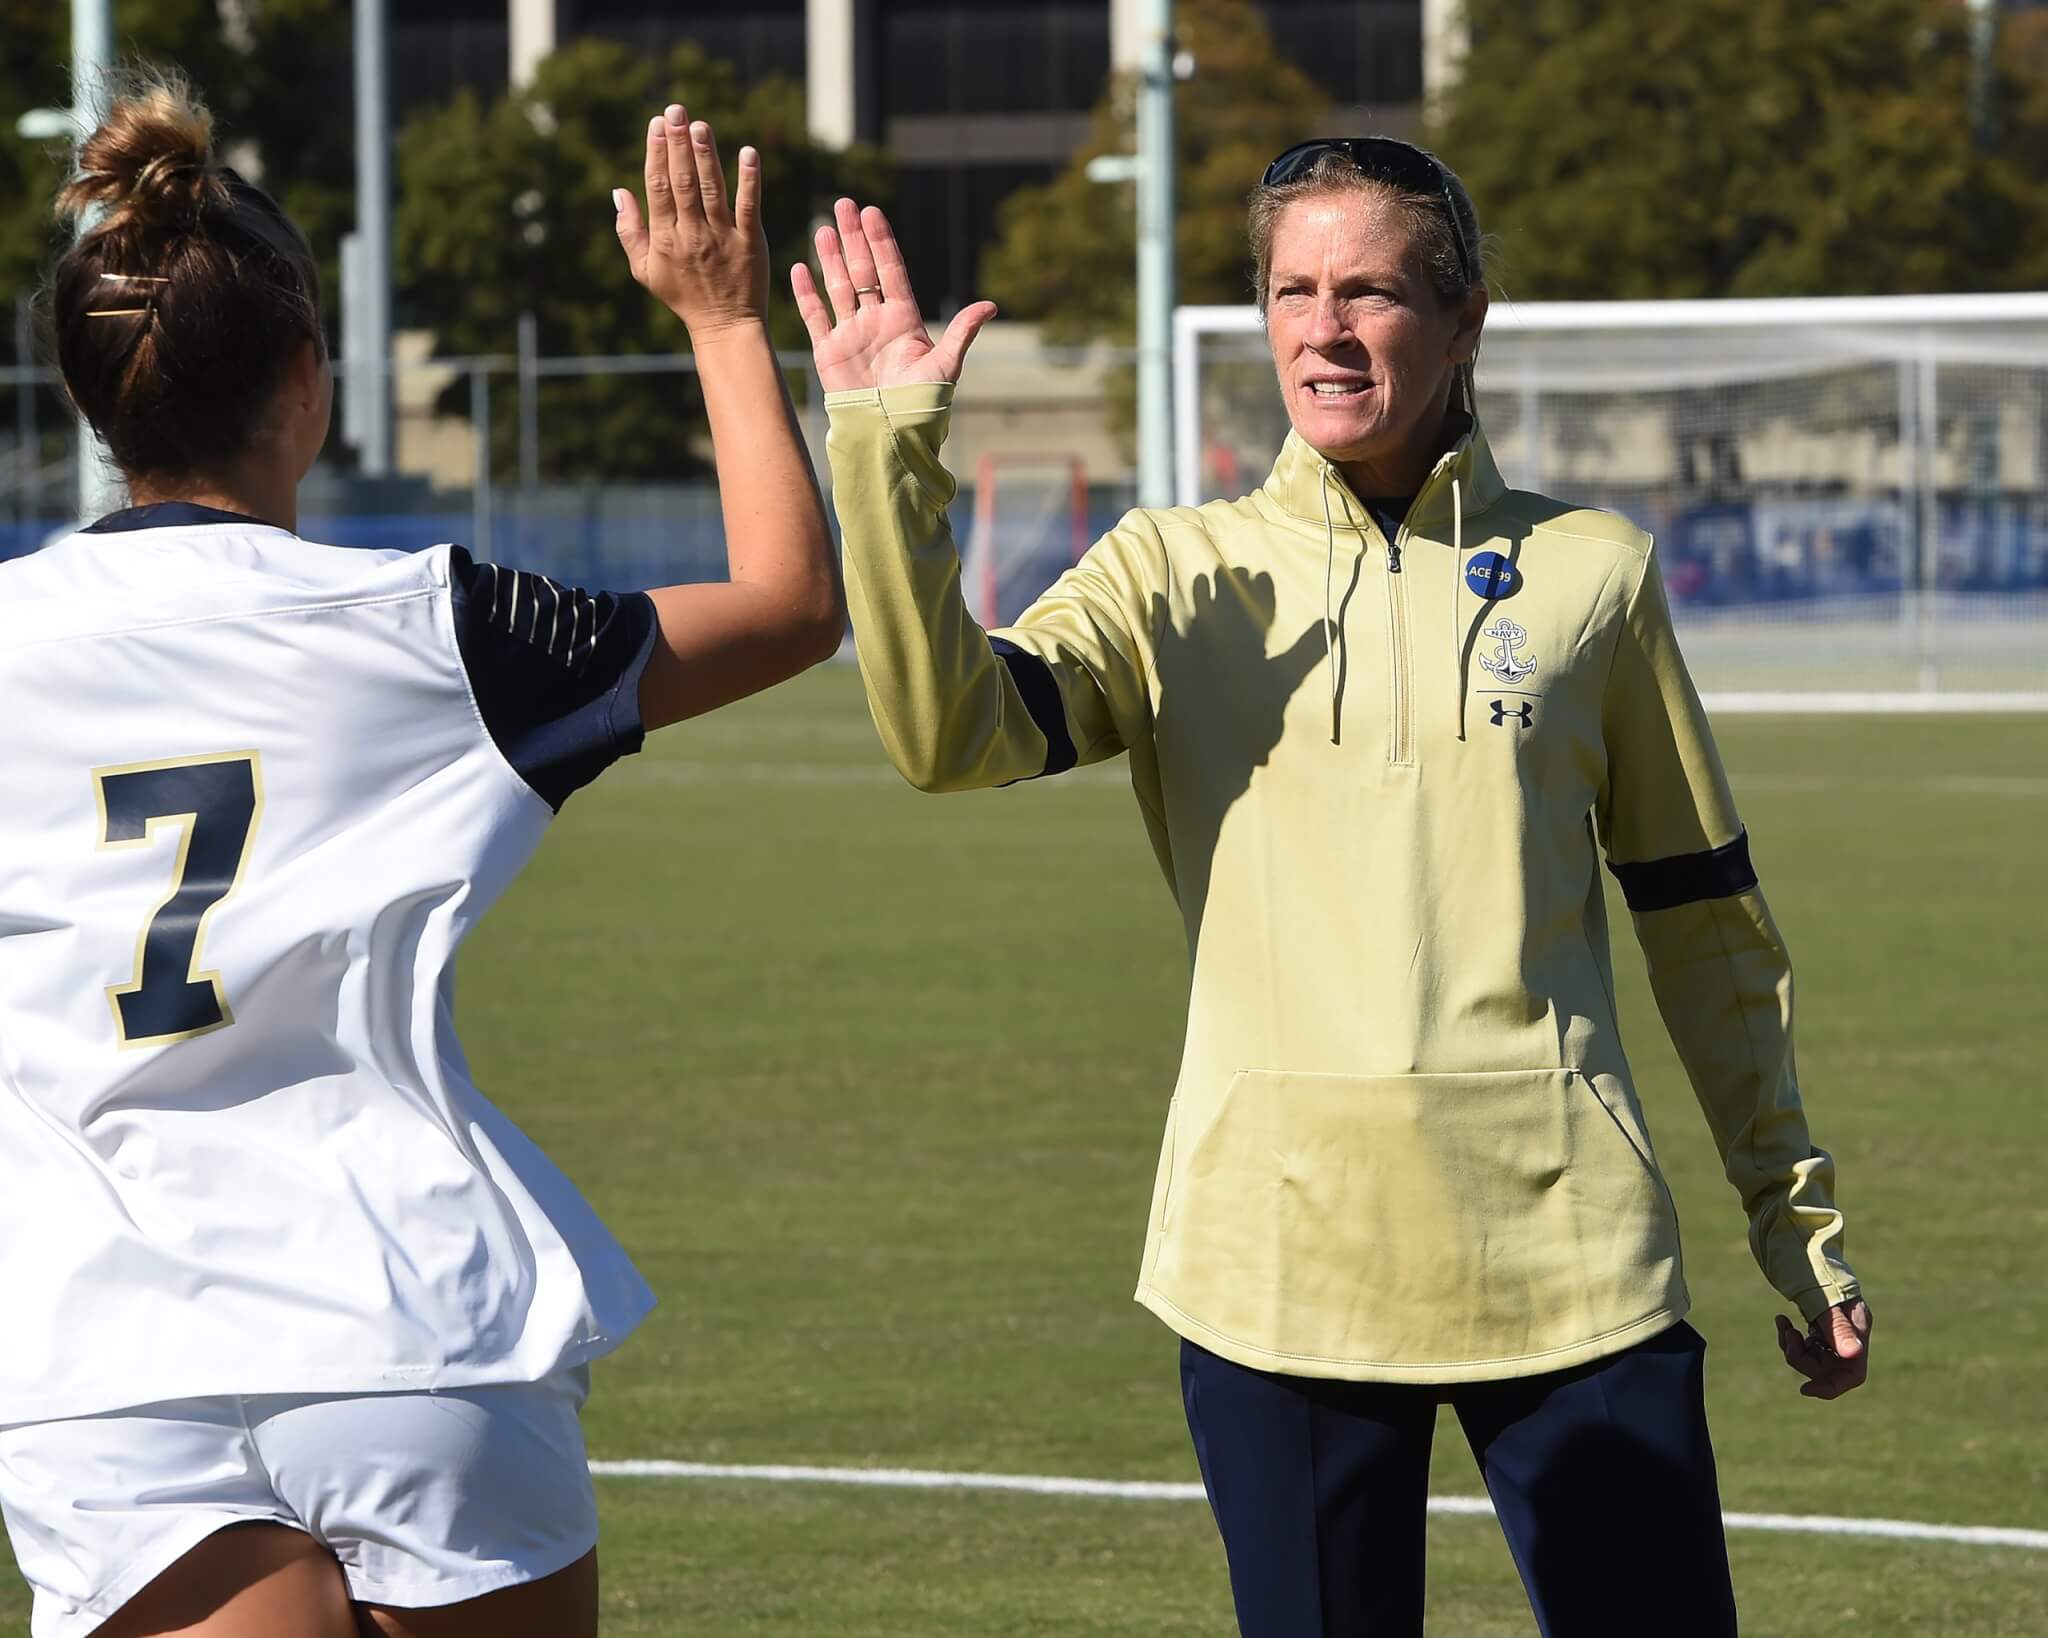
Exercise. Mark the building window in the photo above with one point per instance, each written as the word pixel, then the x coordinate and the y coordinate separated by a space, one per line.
pixel 758 37
pixel 947 57
pixel 430 62
pixel 945 218
pixel 1366 53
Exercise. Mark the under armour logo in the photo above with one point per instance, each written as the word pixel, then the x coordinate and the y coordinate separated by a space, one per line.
pixel 1523 714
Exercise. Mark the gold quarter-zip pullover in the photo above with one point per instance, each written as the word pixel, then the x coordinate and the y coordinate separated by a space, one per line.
pixel 1404 1144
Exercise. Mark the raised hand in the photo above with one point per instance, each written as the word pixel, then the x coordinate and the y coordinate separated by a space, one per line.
pixel 1834 1355
pixel 874 335
pixel 704 258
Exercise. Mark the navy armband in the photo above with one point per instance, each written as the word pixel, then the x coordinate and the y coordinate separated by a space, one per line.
pixel 1686 878
pixel 1041 694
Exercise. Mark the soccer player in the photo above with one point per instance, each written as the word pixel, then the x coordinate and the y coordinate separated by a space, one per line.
pixel 298 1325
pixel 1381 715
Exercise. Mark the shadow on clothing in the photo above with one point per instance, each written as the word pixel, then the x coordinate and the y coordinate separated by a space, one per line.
pixel 1223 700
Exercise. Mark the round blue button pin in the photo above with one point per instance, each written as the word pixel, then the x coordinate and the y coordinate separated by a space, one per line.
pixel 1493 576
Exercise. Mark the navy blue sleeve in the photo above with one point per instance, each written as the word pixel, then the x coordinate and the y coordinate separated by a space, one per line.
pixel 1041 693
pixel 556 671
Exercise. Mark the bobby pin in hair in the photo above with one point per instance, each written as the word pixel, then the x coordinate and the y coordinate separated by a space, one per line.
pixel 125 312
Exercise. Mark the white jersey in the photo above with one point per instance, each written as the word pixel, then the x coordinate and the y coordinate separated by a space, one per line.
pixel 253 793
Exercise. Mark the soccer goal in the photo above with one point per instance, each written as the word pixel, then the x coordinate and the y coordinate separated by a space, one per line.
pixel 1030 526
pixel 1850 494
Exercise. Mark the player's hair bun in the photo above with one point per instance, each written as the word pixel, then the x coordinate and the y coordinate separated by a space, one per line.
pixel 180 307
pixel 150 163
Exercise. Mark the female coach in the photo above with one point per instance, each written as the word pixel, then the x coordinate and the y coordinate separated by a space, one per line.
pixel 1378 712
pixel 298 1325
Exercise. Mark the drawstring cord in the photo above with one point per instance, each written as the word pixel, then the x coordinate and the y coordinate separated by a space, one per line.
pixel 1329 614
pixel 1457 615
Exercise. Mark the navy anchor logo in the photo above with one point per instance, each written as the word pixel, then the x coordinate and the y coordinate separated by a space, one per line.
pixel 1504 663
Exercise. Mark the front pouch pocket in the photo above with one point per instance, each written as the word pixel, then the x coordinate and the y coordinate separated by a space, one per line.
pixel 1415 1221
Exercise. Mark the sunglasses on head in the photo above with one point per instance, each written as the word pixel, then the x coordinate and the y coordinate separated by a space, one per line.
pixel 1384 159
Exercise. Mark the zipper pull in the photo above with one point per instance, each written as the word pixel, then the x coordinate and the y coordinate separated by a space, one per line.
pixel 1393 557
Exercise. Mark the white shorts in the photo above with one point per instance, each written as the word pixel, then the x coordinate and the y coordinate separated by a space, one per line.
pixel 425 1498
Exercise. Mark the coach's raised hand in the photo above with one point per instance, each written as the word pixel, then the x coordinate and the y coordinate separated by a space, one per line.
pixel 704 256
pixel 874 336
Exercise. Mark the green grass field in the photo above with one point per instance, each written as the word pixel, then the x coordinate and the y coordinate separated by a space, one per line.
pixel 871 1084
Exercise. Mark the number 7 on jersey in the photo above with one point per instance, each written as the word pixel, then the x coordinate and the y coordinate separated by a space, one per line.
pixel 214 801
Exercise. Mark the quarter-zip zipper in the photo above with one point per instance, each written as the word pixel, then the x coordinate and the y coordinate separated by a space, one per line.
pixel 1401 671
pixel 1402 751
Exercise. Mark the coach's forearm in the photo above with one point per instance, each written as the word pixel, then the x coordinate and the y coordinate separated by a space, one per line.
pixel 1717 964
pixel 1723 985
pixel 947 710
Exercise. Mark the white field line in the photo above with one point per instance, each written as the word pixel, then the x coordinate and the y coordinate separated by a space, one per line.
pixel 1990 785
pixel 686 771
pixel 907 1478
pixel 1935 784
pixel 1803 703
pixel 705 771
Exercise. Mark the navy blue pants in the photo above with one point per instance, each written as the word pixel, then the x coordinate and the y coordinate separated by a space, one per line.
pixel 1601 1475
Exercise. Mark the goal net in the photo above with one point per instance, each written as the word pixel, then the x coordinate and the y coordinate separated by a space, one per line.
pixel 1850 494
pixel 1030 526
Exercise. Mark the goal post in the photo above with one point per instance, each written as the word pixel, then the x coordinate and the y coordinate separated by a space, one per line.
pixel 1850 493
pixel 1030 524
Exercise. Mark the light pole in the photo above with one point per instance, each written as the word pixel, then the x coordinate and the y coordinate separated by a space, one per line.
pixel 100 489
pixel 1152 168
pixel 366 411
pixel 1156 274
pixel 1156 259
pixel 1983 37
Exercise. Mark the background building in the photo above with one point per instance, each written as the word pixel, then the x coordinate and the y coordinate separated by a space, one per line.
pixel 973 99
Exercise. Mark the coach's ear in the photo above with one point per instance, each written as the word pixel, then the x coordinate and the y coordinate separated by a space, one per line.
pixel 1471 320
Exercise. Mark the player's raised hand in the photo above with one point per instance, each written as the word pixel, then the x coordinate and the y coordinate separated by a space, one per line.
pixel 873 335
pixel 1834 1355
pixel 701 253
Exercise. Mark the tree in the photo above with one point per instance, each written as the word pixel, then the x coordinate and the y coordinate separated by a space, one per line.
pixel 260 74
pixel 2020 120
pixel 1066 252
pixel 1739 148
pixel 260 64
pixel 507 209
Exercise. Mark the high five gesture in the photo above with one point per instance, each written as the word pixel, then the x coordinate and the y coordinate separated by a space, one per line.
pixel 874 336
pixel 703 257
pixel 706 260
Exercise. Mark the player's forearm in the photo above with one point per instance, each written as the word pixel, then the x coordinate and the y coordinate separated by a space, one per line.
pixel 1723 983
pixel 947 713
pixel 777 542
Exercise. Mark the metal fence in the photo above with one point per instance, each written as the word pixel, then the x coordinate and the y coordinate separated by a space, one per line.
pixel 1850 495
pixel 1842 506
pixel 479 444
